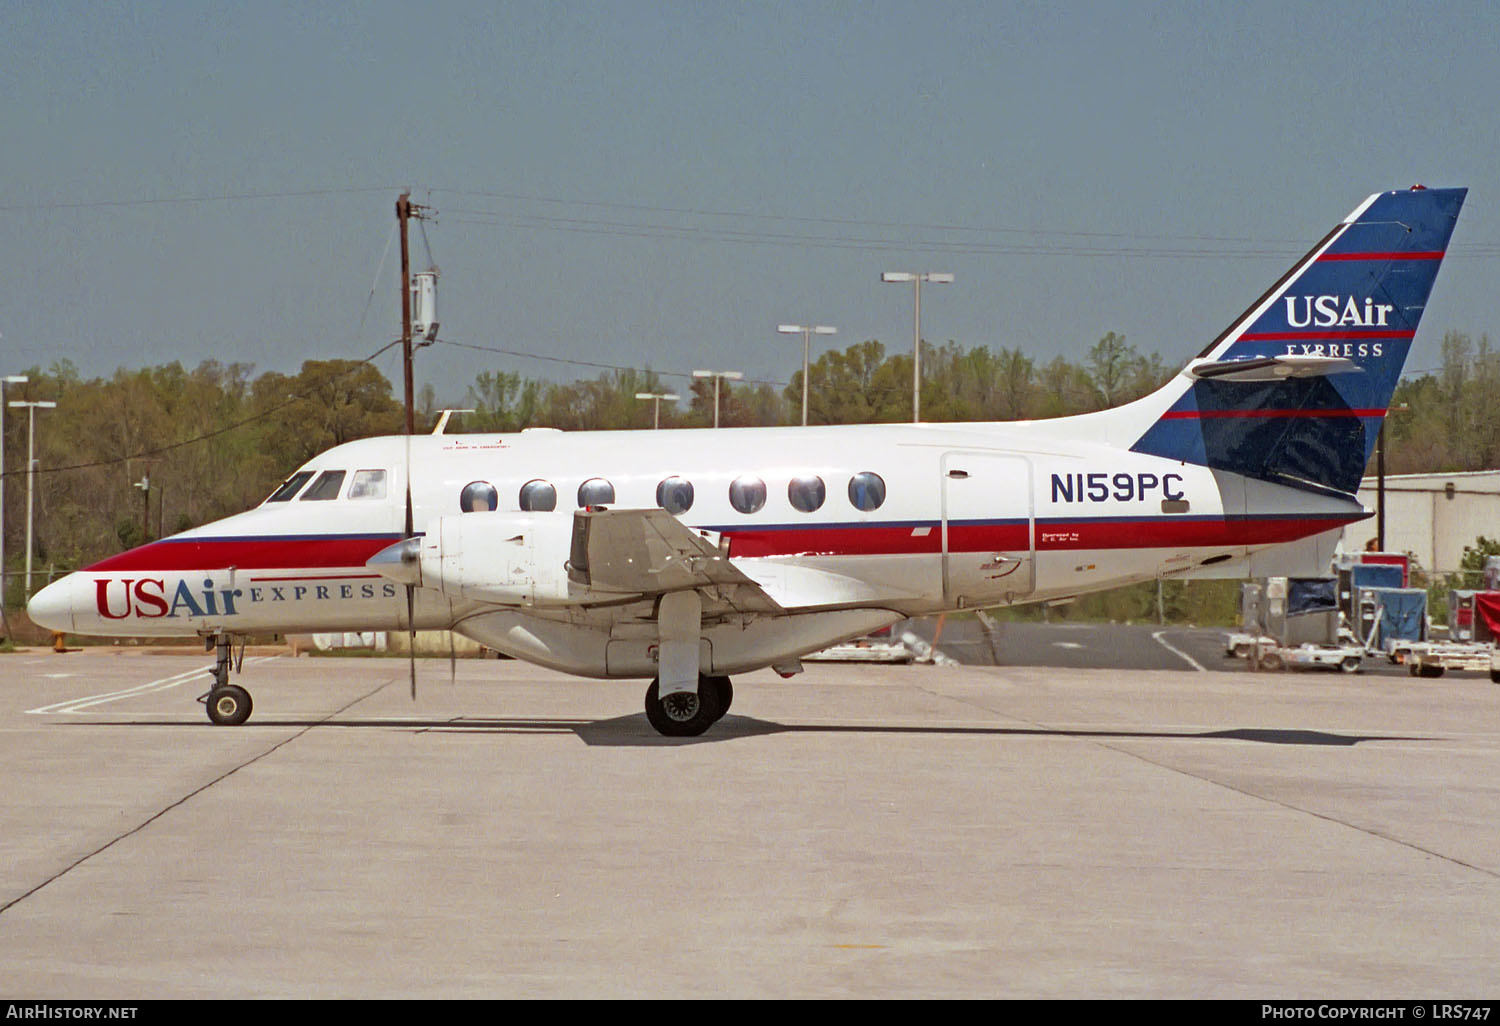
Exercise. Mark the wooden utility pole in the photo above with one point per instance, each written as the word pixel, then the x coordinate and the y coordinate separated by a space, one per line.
pixel 403 215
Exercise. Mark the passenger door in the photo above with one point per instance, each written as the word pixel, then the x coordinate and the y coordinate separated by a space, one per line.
pixel 989 528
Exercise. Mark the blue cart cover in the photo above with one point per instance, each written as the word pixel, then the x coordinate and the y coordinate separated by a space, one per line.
pixel 1375 575
pixel 1311 595
pixel 1403 612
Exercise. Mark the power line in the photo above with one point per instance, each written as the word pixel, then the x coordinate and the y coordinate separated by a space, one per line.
pixel 904 225
pixel 523 219
pixel 170 200
pixel 588 363
pixel 691 233
pixel 290 400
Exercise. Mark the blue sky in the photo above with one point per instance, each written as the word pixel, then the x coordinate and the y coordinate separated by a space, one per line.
pixel 660 184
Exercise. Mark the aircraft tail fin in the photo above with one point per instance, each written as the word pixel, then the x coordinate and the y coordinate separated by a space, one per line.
pixel 1296 389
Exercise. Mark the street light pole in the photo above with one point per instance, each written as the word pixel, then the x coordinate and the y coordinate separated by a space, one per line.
pixel 31 408
pixel 656 398
pixel 144 484
pixel 805 331
pixel 718 376
pixel 9 379
pixel 917 278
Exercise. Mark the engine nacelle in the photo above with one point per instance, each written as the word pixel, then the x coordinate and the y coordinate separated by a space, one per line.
pixel 507 558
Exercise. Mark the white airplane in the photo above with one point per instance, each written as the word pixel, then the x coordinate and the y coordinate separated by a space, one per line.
pixel 687 556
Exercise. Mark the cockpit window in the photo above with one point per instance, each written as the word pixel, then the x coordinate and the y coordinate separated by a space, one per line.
pixel 325 487
pixel 368 484
pixel 290 486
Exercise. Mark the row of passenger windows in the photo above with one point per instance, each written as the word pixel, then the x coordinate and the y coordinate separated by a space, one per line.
pixel 675 494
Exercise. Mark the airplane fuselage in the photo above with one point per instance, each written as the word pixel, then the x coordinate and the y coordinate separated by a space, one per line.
pixel 848 528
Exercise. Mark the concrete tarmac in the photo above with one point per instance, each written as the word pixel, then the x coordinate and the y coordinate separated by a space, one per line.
pixel 857 831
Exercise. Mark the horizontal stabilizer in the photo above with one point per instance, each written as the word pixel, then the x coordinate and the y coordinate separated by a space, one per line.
pixel 1272 368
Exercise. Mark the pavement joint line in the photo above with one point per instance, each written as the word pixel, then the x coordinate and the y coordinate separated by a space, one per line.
pixel 1325 817
pixel 1103 743
pixel 12 903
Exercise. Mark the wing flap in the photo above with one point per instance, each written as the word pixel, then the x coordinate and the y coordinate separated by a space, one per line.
pixel 649 552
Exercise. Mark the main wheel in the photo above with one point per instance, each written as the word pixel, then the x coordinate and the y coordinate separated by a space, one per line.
pixel 229 706
pixel 1350 664
pixel 682 713
pixel 723 691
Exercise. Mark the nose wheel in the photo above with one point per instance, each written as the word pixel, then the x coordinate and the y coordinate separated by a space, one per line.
pixel 229 706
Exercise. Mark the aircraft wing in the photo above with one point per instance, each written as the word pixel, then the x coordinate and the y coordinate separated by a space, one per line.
pixel 649 551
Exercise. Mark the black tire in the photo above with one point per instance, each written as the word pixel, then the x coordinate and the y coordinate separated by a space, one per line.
pixel 682 714
pixel 1350 664
pixel 229 706
pixel 723 692
pixel 1432 671
pixel 1271 661
pixel 1495 676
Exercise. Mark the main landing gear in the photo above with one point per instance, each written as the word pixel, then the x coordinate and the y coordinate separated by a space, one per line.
pixel 228 704
pixel 684 714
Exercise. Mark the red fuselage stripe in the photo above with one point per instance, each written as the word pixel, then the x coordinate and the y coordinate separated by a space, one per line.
pixel 312 554
pixel 263 553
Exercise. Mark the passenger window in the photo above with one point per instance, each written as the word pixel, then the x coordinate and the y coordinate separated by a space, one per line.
pixel 290 486
pixel 806 493
pixel 596 492
pixel 747 494
pixel 368 484
pixel 325 487
pixel 866 491
pixel 675 495
pixel 538 497
pixel 479 497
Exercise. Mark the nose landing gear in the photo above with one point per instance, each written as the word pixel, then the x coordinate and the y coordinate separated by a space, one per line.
pixel 228 704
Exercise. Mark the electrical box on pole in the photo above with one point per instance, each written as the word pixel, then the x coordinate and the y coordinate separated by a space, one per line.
pixel 424 319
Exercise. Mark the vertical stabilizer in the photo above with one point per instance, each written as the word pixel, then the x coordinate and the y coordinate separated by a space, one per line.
pixel 1295 391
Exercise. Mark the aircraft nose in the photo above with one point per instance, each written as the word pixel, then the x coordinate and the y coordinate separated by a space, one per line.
pixel 52 607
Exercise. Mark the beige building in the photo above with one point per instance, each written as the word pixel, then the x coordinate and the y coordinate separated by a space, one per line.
pixel 1431 516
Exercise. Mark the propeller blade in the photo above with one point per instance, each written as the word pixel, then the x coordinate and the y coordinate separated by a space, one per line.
pixel 411 592
pixel 411 637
